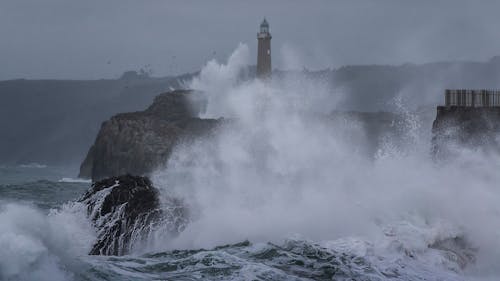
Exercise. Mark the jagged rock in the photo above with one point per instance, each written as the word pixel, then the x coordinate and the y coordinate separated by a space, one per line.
pixel 138 142
pixel 124 210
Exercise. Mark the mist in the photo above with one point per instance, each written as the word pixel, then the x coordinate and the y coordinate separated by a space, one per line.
pixel 281 168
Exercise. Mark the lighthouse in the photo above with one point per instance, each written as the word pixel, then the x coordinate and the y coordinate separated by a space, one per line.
pixel 264 51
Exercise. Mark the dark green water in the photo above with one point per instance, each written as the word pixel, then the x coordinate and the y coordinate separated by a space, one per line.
pixel 45 187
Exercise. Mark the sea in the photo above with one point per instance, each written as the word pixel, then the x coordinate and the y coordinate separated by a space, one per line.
pixel 45 235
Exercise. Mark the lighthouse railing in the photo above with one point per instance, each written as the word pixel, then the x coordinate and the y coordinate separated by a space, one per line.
pixel 472 98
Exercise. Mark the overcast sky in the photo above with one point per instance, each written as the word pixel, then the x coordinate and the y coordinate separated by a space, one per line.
pixel 91 39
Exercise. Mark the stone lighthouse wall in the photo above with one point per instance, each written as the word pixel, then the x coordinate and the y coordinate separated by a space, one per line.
pixel 264 56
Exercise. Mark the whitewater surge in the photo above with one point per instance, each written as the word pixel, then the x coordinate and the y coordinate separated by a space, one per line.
pixel 37 246
pixel 282 168
pixel 73 180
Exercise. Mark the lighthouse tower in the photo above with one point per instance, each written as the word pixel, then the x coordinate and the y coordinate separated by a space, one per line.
pixel 264 51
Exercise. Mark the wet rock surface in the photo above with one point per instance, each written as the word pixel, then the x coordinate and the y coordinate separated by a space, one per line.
pixel 124 210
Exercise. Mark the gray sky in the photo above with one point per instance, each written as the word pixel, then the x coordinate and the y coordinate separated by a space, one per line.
pixel 102 38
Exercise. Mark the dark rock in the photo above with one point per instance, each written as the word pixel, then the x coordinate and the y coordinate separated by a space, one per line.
pixel 139 142
pixel 125 209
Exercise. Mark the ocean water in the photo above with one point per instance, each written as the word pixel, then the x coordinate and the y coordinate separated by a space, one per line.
pixel 44 235
pixel 39 185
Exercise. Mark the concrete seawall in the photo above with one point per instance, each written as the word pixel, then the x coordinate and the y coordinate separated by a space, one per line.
pixel 461 126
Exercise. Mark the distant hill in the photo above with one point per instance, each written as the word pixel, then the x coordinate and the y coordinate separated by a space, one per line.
pixel 56 121
pixel 375 87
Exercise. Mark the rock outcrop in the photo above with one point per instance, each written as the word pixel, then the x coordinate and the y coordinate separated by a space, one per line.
pixel 471 127
pixel 138 142
pixel 125 210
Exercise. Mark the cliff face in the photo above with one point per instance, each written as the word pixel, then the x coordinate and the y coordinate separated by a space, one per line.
pixel 472 127
pixel 139 142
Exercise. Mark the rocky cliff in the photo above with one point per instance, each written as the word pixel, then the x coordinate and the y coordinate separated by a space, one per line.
pixel 138 142
pixel 471 127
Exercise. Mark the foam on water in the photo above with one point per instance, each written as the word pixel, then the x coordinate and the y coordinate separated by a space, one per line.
pixel 37 246
pixel 73 180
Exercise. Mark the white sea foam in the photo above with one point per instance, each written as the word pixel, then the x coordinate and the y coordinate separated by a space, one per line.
pixel 278 169
pixel 36 246
pixel 33 166
pixel 73 180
